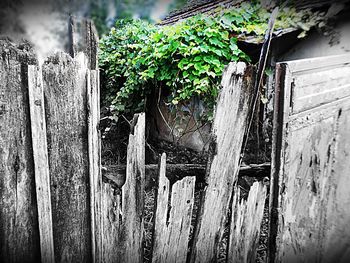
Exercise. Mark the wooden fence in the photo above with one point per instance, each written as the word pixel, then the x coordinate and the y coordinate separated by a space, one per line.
pixel 54 205
pixel 49 157
pixel 176 237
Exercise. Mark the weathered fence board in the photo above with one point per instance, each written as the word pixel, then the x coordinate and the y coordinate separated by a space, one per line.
pixel 41 163
pixel 67 132
pixel 310 188
pixel 110 207
pixel 172 229
pixel 92 80
pixel 228 129
pixel 246 221
pixel 131 233
pixel 19 231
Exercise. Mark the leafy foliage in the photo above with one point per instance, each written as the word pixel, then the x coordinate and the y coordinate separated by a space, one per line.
pixel 184 60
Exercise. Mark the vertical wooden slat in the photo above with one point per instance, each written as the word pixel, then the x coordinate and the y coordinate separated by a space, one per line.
pixel 160 225
pixel 171 234
pixel 247 216
pixel 67 132
pixel 41 163
pixel 19 231
pixel 228 129
pixel 110 218
pixel 94 163
pixel 131 234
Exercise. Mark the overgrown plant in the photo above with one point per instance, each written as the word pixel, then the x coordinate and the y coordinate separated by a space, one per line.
pixel 183 60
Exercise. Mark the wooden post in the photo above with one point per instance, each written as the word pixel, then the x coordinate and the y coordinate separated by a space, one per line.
pixel 41 163
pixel 67 132
pixel 246 220
pixel 131 234
pixel 230 122
pixel 172 229
pixel 19 230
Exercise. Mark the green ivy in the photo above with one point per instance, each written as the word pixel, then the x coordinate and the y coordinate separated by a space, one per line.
pixel 186 59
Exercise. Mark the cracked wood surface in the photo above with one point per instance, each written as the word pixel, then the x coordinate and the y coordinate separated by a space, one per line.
pixel 228 130
pixel 311 161
pixel 19 230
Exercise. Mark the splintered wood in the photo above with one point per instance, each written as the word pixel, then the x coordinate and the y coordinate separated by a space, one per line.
pixel 172 229
pixel 131 233
pixel 228 128
pixel 246 221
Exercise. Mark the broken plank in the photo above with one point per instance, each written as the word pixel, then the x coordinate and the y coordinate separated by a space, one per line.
pixel 230 122
pixel 246 221
pixel 41 163
pixel 172 229
pixel 131 234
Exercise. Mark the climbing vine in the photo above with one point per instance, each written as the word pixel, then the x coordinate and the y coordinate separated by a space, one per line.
pixel 183 60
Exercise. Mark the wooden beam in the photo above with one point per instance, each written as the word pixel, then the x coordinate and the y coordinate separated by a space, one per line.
pixel 175 172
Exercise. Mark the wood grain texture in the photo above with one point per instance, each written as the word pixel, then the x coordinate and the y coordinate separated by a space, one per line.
pixel 41 163
pixel 19 230
pixel 228 129
pixel 172 229
pixel 311 162
pixel 65 96
pixel 92 80
pixel 111 221
pixel 246 221
pixel 131 234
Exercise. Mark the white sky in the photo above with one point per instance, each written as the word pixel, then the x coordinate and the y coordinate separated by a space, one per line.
pixel 160 9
